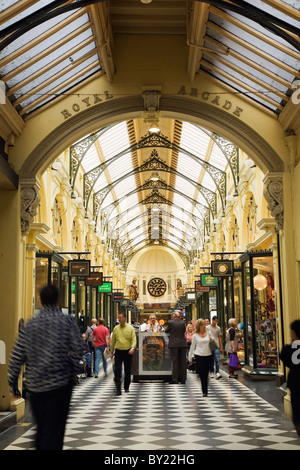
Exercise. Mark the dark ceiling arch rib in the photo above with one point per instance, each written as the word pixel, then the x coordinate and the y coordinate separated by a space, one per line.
pixel 100 195
pixel 157 141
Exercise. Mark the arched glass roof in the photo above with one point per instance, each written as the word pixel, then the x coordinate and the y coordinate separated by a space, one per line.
pixel 50 48
pixel 155 198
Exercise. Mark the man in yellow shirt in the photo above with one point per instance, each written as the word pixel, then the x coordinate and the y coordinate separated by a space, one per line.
pixel 123 345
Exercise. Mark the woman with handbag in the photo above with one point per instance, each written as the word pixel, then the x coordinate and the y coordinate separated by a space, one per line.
pixel 231 347
pixel 200 348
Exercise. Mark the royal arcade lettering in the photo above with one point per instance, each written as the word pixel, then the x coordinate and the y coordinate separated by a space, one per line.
pixel 86 103
pixel 213 98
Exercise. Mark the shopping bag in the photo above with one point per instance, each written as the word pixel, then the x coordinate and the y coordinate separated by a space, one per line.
pixel 233 361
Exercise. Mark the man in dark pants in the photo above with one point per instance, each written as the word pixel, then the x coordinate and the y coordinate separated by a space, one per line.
pixel 177 345
pixel 123 345
pixel 51 347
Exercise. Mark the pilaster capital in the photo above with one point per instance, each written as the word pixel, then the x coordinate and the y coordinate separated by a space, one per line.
pixel 30 200
pixel 32 247
pixel 292 141
pixel 273 193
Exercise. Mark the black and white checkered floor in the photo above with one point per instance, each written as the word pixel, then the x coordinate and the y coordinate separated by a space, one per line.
pixel 160 416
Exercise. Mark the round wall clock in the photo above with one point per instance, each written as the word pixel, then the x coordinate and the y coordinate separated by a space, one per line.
pixel 157 287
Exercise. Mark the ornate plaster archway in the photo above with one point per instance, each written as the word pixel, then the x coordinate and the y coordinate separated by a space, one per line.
pixel 201 113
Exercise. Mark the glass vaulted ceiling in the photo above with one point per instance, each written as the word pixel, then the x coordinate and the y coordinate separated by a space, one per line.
pixel 241 45
pixel 244 53
pixel 134 205
pixel 49 59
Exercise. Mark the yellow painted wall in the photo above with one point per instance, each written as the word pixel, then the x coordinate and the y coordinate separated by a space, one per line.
pixel 11 281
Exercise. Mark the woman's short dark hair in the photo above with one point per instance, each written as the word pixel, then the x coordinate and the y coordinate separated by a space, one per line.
pixel 295 326
pixel 49 295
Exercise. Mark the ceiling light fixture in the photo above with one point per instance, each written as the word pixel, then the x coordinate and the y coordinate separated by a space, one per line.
pixel 146 1
pixel 154 176
pixel 154 127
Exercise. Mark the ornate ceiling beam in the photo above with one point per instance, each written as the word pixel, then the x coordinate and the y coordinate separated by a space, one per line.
pixel 111 224
pixel 149 185
pixel 123 244
pixel 157 140
pixel 154 198
pixel 154 163
pixel 188 227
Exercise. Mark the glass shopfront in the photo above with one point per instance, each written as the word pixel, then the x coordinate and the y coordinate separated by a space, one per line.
pixel 260 321
pixel 82 301
pixel 88 302
pixel 238 312
pixel 48 270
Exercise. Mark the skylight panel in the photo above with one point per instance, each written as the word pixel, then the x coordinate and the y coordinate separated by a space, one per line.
pixel 4 4
pixel 255 57
pixel 275 12
pixel 34 33
pixel 120 167
pixel 184 186
pixel 115 140
pixel 124 187
pixel 91 159
pixel 182 201
pixel 217 158
pixel 28 95
pixel 46 62
pixel 109 199
pixel 194 140
pixel 208 182
pixel 189 167
pixel 254 40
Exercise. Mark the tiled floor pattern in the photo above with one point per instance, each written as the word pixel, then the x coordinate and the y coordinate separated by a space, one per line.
pixel 161 416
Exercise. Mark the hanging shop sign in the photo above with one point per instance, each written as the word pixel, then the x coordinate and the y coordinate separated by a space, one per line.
pixel 94 279
pixel 105 287
pixel 207 280
pixel 79 267
pixel 117 296
pixel 221 268
pixel 190 296
pixel 200 288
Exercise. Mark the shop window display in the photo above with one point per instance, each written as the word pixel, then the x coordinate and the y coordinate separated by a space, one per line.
pixel 265 313
pixel 237 283
pixel 260 318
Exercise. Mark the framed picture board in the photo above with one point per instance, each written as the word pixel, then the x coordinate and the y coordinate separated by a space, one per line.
pixel 222 268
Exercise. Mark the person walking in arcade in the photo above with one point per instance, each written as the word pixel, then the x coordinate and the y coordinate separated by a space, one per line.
pixel 123 344
pixel 51 347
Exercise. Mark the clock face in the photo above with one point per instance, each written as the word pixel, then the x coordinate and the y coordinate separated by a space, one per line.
pixel 157 287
